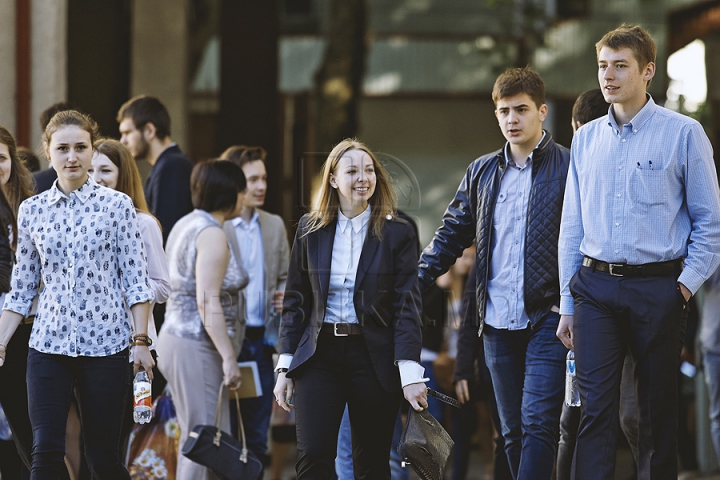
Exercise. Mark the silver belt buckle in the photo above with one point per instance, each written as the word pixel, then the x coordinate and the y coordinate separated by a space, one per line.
pixel 611 267
pixel 335 331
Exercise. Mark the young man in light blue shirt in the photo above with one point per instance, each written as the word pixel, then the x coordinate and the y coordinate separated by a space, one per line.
pixel 640 233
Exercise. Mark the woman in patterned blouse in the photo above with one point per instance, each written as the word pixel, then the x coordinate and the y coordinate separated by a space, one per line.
pixel 83 241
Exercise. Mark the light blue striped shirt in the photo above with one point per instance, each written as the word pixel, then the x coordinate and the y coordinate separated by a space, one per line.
pixel 646 192
pixel 250 241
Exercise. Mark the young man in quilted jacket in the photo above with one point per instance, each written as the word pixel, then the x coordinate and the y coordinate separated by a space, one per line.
pixel 510 203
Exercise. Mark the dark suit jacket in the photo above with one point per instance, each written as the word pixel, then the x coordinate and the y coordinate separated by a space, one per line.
pixel 387 297
pixel 44 179
pixel 167 188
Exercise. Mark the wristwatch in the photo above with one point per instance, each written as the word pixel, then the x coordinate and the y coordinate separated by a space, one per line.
pixel 141 339
pixel 282 370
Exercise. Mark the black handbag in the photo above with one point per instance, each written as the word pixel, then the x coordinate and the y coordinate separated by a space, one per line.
pixel 222 453
pixel 424 444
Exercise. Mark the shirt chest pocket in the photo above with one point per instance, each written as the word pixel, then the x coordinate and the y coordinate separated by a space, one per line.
pixel 502 206
pixel 649 188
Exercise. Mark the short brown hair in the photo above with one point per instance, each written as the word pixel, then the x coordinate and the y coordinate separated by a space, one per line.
pixel 144 109
pixel 634 37
pixel 516 81
pixel 215 184
pixel 589 105
pixel 242 154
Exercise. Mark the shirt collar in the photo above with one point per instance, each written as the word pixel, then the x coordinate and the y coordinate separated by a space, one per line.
pixel 357 222
pixel 254 220
pixel 639 119
pixel 82 194
pixel 508 157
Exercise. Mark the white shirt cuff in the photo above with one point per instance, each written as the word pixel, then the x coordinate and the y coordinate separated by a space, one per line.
pixel 411 372
pixel 284 361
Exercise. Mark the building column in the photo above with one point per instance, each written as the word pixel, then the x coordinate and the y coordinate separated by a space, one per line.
pixel 158 64
pixel 48 26
pixel 7 63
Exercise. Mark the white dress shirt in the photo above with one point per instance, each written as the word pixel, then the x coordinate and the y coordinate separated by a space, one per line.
pixel 350 236
pixel 250 242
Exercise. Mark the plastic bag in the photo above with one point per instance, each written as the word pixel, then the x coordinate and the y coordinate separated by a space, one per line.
pixel 153 447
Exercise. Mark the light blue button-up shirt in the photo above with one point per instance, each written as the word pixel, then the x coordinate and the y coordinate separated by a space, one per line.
pixel 347 247
pixel 253 259
pixel 644 192
pixel 505 307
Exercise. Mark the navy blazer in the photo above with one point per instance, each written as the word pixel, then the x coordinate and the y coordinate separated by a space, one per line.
pixel 387 297
pixel 167 188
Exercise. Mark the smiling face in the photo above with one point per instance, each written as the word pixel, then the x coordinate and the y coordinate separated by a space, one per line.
pixel 70 153
pixel 256 177
pixel 622 80
pixel 354 180
pixel 104 171
pixel 520 120
pixel 5 164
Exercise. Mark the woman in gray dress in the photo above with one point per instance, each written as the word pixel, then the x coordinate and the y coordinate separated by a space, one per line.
pixel 196 344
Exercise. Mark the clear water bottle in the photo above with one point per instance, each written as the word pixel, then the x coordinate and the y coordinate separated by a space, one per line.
pixel 142 397
pixel 572 395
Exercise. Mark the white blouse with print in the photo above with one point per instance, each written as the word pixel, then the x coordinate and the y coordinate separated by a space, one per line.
pixel 87 249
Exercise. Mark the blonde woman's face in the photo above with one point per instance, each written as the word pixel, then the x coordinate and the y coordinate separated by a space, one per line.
pixel 104 171
pixel 354 180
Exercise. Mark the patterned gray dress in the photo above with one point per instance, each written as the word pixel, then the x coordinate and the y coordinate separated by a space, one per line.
pixel 182 318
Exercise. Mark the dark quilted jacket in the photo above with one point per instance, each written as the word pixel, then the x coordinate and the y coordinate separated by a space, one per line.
pixel 469 217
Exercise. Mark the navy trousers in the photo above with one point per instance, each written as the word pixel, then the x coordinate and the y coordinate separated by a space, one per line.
pixel 648 315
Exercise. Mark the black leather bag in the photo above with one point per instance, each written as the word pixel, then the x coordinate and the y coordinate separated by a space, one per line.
pixel 424 444
pixel 222 453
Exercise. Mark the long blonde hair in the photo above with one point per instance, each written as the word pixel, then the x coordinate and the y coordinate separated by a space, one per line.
pixel 325 207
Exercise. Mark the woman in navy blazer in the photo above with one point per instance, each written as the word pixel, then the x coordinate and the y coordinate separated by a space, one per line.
pixel 350 331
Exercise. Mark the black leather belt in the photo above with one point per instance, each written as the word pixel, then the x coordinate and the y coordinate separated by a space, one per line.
pixel 660 269
pixel 341 329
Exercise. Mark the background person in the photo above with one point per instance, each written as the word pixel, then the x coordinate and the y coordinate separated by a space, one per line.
pixel 145 131
pixel 195 349
pixel 92 267
pixel 17 184
pixel 261 240
pixel 351 314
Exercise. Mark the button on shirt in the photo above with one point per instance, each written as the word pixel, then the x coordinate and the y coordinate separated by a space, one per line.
pixel 505 306
pixel 87 248
pixel 644 192
pixel 347 247
pixel 253 259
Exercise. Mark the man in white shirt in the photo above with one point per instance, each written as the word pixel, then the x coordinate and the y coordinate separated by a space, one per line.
pixel 260 240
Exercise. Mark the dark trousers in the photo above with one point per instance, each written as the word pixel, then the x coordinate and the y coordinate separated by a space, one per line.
pixel 570 422
pixel 256 411
pixel 339 373
pixel 13 392
pixel 612 314
pixel 528 374
pixel 101 385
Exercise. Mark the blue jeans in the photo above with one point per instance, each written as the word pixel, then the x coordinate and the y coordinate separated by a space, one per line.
pixel 101 386
pixel 256 411
pixel 528 374
pixel 711 361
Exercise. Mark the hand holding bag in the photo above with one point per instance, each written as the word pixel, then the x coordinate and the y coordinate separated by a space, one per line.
pixel 425 445
pixel 226 456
